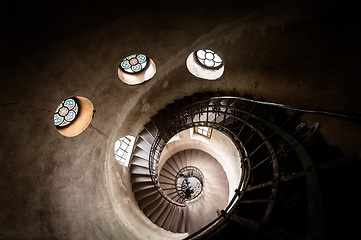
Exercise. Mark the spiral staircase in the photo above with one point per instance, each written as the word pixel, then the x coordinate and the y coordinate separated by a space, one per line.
pixel 278 196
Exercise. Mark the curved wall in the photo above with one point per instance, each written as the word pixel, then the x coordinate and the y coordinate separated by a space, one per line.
pixel 53 187
pixel 219 146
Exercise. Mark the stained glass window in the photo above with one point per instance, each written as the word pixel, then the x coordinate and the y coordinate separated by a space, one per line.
pixel 208 58
pixel 66 112
pixel 123 149
pixel 206 64
pixel 134 63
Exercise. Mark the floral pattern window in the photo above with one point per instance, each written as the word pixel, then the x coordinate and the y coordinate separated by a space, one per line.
pixel 134 63
pixel 66 112
pixel 209 59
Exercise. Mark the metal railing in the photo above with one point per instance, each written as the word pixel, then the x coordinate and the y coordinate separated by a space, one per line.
pixel 204 113
pixel 182 182
pixel 229 115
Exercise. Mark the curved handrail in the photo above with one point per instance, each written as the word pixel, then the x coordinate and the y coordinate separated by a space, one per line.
pixel 154 156
pixel 196 173
pixel 213 113
pixel 200 108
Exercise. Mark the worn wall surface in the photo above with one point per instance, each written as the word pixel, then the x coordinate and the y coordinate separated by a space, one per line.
pixel 304 55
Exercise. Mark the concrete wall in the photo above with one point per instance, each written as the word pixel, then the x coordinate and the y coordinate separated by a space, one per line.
pixel 52 187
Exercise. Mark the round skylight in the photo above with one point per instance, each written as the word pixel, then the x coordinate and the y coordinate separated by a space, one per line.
pixel 136 68
pixel 73 115
pixel 209 59
pixel 206 64
pixel 66 112
pixel 134 63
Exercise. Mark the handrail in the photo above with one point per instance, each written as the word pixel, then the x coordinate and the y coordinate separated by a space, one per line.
pixel 348 116
pixel 196 173
pixel 157 147
pixel 198 109
pixel 213 113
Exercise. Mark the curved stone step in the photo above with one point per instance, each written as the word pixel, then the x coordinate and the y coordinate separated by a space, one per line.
pixel 203 210
pixel 251 131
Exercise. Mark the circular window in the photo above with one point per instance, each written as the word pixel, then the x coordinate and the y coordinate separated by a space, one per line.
pixel 136 68
pixel 208 59
pixel 134 63
pixel 205 64
pixel 66 112
pixel 73 115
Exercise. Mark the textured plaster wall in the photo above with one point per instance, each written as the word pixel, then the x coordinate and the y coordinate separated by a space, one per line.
pixel 52 187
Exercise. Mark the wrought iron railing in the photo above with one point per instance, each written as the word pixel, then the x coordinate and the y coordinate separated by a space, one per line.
pixel 233 117
pixel 199 114
pixel 189 182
